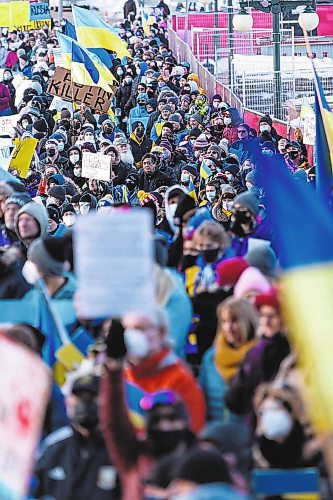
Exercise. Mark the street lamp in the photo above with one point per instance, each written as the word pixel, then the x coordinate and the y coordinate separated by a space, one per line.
pixel 308 20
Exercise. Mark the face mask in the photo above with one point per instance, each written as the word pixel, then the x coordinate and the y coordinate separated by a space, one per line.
pixel 136 343
pixel 74 159
pixel 185 178
pixel 69 219
pixel 267 152
pixel 237 220
pixel 128 79
pixel 211 196
pixel 228 205
pixel 172 209
pixel 120 72
pixel 149 79
pixel 211 255
pixel 293 155
pixel 139 132
pixel 216 104
pixel 52 201
pixel 227 120
pixel 84 208
pixel 276 423
pixel 51 152
pixel 166 441
pixel 86 414
pixel 265 128
pixel 230 177
pixel 25 124
pixel 61 146
pixel 90 139
pixel 161 85
pixel 77 172
pixel 159 63
pixel 7 78
pixel 30 272
pixel 138 71
pixel 51 72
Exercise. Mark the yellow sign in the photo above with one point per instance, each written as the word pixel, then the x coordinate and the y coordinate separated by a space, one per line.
pixel 22 156
pixel 16 16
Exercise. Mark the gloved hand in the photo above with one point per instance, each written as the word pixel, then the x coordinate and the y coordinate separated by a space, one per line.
pixel 115 345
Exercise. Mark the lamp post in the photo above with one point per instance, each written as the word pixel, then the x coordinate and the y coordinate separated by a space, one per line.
pixel 308 20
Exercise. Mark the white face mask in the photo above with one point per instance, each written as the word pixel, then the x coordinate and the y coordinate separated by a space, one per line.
pixel 69 219
pixel 74 159
pixel 228 205
pixel 128 79
pixel 172 209
pixel 77 172
pixel 84 208
pixel 211 195
pixel 25 124
pixel 265 128
pixel 276 423
pixel 185 177
pixel 120 72
pixel 30 272
pixel 136 343
pixel 61 146
pixel 89 138
pixel 227 120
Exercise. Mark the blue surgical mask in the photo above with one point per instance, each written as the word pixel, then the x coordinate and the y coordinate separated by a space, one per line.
pixel 267 152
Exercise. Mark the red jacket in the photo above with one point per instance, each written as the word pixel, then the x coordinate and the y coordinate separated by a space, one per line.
pixel 230 133
pixel 4 97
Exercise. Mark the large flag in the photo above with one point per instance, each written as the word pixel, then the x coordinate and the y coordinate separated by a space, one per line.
pixel 324 141
pixel 66 44
pixel 303 228
pixel 95 34
pixel 84 70
pixel 205 171
pixel 70 30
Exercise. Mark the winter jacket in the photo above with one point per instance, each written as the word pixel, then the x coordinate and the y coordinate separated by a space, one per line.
pixel 39 213
pixel 4 97
pixel 12 283
pixel 139 146
pixel 123 94
pixel 129 8
pixel 3 56
pixel 7 237
pixel 11 59
pixel 151 182
pixel 74 468
pixel 230 131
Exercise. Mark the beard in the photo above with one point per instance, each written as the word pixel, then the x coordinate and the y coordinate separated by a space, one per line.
pixel 127 157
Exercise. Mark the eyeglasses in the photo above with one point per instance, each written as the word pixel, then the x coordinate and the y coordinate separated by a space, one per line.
pixel 241 131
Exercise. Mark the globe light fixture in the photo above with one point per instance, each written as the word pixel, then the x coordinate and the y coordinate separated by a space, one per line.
pixel 309 19
pixel 242 21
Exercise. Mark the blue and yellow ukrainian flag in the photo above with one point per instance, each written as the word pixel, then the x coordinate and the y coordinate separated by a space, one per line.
pixel 324 141
pixel 70 30
pixel 66 43
pixel 84 70
pixel 191 192
pixel 205 171
pixel 95 34
pixel 303 228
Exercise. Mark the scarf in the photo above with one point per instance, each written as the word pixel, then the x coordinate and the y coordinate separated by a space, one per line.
pixel 228 359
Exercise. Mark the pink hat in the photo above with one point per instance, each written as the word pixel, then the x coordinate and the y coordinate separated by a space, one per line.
pixel 229 271
pixel 251 279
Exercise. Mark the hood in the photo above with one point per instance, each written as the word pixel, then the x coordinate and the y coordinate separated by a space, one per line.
pixel 216 96
pixel 235 117
pixel 193 85
pixel 39 213
pixel 89 198
pixel 194 77
pixel 169 218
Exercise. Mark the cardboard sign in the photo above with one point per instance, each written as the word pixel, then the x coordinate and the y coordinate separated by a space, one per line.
pixel 7 124
pixel 96 166
pixel 25 383
pixel 61 85
pixel 22 156
pixel 39 11
pixel 114 263
pixel 309 134
pixel 5 155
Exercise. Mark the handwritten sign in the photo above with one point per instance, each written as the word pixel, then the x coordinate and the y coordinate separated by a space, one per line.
pixel 5 153
pixel 61 85
pixel 115 276
pixel 39 11
pixel 22 156
pixel 96 166
pixel 309 135
pixel 7 124
pixel 24 392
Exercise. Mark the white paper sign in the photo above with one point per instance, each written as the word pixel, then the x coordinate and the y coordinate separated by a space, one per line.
pixel 59 104
pixel 96 166
pixel 5 155
pixel 7 124
pixel 309 134
pixel 114 263
pixel 58 61
pixel 25 382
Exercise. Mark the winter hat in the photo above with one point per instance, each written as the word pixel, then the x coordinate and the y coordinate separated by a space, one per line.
pixel 68 208
pixel 64 113
pixel 251 279
pixel 249 201
pixel 173 100
pixel 194 133
pixel 197 117
pixel 23 56
pixel 264 258
pixel 229 271
pixel 201 466
pixel 175 118
pixel 89 146
pixel 38 212
pixel 152 102
pixel 268 299
pixel 200 216
pixel 252 177
pixel 268 145
pixel 227 189
pixel 266 119
pixel 57 192
pixel 167 145
pixel 58 136
pixel 49 255
pixel 40 125
pixel 53 213
pixel 201 142
pixel 89 198
pixel 166 107
pixel 56 179
pixel 142 97
pixel 186 98
pixel 104 202
pixel 76 198
pixel 191 169
pixel 18 199
pixel 186 204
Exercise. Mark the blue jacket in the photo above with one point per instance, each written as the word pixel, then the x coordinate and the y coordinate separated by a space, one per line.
pixel 60 231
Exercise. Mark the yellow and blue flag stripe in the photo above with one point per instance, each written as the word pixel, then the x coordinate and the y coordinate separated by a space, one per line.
pixel 84 70
pixel 191 192
pixel 205 171
pixel 303 227
pixel 70 30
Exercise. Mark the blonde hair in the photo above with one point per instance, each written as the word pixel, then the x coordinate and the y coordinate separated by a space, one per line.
pixel 214 231
pixel 243 312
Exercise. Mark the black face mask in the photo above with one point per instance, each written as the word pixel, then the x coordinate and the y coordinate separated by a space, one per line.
pixel 86 414
pixel 293 155
pixel 238 219
pixel 139 132
pixel 218 128
pixel 51 152
pixel 166 441
pixel 211 255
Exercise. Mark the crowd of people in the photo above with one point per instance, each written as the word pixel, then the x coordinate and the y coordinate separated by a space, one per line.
pixel 221 389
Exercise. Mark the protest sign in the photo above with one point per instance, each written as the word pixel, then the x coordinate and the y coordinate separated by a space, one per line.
pixel 39 11
pixel 58 104
pixel 116 276
pixel 57 54
pixel 7 124
pixel 22 156
pixel 96 166
pixel 309 134
pixel 25 382
pixel 61 85
pixel 5 153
